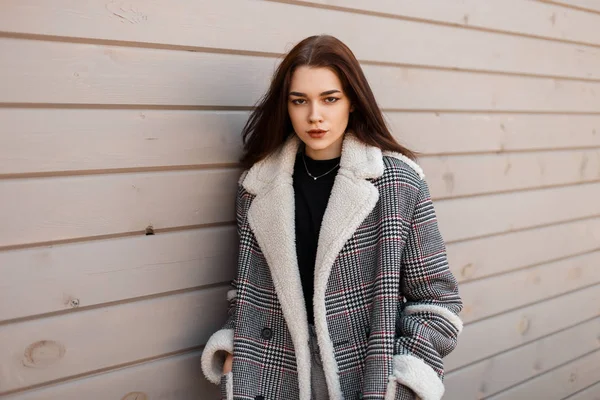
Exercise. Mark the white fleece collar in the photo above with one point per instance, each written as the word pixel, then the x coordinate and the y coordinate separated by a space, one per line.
pixel 358 159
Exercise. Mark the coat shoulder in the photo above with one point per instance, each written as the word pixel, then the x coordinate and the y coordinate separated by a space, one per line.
pixel 401 167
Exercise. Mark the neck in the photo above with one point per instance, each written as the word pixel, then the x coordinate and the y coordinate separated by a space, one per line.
pixel 331 152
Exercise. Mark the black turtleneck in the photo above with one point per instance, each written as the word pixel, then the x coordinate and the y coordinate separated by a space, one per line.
pixel 311 197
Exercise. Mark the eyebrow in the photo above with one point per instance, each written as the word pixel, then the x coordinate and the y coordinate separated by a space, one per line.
pixel 322 94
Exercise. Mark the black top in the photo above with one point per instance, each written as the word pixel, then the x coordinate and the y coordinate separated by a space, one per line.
pixel 311 197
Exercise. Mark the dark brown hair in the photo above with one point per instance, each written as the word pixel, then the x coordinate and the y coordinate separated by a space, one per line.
pixel 269 124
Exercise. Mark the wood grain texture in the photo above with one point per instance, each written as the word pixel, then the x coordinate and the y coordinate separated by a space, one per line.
pixel 504 370
pixel 467 218
pixel 495 295
pixel 63 140
pixel 56 278
pixel 448 133
pixel 451 176
pixel 57 140
pixel 264 27
pixel 559 383
pixel 171 378
pixel 533 18
pixel 96 74
pixel 47 279
pixel 479 258
pixel 107 337
pixel 66 208
pixel 588 5
pixel 71 207
pixel 590 393
pixel 503 332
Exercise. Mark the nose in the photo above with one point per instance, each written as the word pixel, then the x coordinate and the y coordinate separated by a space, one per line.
pixel 315 114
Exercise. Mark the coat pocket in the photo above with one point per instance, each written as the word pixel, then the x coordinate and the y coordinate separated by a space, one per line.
pixel 227 386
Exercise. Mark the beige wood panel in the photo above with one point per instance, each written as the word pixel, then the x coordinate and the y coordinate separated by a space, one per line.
pixel 472 217
pixel 264 26
pixel 475 259
pixel 67 208
pixel 45 209
pixel 84 73
pixel 487 297
pixel 537 19
pixel 42 350
pixel 48 140
pixel 589 5
pixel 443 133
pixel 590 393
pixel 55 278
pixel 172 378
pixel 503 332
pixel 451 176
pixel 47 279
pixel 504 370
pixel 559 383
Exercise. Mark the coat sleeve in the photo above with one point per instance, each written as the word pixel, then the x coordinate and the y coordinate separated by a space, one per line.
pixel 428 324
pixel 221 342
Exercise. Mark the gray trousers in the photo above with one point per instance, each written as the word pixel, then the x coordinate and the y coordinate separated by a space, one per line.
pixel 318 385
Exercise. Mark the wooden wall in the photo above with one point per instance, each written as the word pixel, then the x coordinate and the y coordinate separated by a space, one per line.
pixel 121 118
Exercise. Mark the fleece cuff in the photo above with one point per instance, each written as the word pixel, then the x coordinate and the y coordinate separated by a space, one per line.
pixel 412 372
pixel 215 354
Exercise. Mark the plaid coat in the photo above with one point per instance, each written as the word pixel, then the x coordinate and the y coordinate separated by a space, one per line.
pixel 385 302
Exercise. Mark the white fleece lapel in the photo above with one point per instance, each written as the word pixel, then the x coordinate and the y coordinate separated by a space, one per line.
pixel 271 217
pixel 352 199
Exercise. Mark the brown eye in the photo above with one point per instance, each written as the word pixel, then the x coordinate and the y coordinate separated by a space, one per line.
pixel 298 102
pixel 331 99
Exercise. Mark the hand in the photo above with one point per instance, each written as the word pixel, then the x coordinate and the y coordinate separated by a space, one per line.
pixel 228 363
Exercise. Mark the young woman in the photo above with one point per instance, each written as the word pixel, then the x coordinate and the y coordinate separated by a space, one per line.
pixel 343 289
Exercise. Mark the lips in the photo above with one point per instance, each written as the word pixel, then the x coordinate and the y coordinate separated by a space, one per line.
pixel 317 133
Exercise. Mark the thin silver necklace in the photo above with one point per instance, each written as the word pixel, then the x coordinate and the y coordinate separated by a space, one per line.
pixel 320 176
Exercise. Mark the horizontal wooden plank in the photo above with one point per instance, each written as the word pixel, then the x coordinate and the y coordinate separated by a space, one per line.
pixel 451 176
pixel 51 209
pixel 67 208
pixel 172 378
pixel 507 369
pixel 54 278
pixel 491 336
pixel 49 140
pixel 263 26
pixel 559 383
pixel 474 259
pixel 447 133
pixel 590 393
pixel 487 297
pixel 38 351
pixel 84 73
pixel 533 19
pixel 46 279
pixel 472 217
pixel 589 5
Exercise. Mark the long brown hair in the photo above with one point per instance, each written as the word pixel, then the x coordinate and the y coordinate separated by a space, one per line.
pixel 269 124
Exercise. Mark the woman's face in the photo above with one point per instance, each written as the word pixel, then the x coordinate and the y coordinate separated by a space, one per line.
pixel 319 110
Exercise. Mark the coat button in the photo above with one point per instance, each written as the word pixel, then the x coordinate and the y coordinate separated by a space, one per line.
pixel 359 396
pixel 266 333
pixel 259 398
pixel 367 330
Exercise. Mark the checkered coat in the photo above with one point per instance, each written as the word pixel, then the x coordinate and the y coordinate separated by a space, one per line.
pixel 385 303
